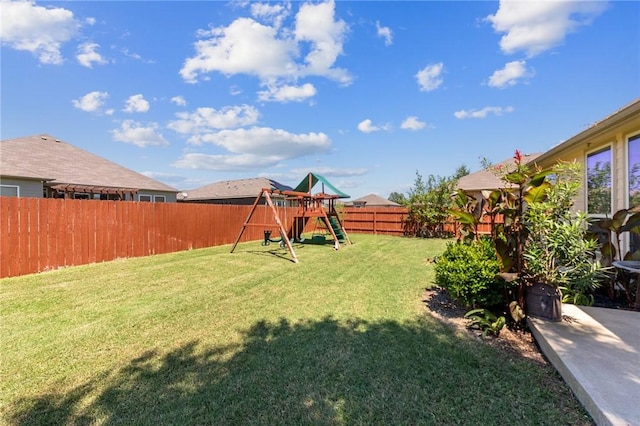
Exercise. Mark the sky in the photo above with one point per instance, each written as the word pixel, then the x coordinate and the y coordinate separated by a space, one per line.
pixel 366 93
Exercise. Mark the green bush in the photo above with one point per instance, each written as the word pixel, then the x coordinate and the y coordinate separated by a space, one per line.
pixel 467 270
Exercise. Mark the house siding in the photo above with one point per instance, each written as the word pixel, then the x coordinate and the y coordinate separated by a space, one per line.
pixel 612 132
pixel 171 197
pixel 616 137
pixel 28 187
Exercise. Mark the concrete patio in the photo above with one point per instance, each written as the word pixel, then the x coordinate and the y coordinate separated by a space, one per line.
pixel 597 352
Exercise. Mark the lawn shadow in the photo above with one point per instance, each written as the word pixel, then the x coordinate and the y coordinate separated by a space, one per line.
pixel 324 372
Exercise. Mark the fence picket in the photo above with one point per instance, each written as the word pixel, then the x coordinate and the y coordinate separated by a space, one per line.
pixel 42 234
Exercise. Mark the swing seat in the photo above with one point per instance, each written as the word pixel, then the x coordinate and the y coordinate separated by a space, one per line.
pixel 268 240
pixel 318 239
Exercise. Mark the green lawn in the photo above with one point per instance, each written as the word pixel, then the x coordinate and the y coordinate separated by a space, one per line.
pixel 209 337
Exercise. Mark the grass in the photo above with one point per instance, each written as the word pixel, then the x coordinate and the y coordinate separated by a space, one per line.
pixel 208 337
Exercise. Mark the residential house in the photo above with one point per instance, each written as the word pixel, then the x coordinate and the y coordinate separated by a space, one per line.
pixel 487 180
pixel 44 166
pixel 609 151
pixel 372 200
pixel 237 192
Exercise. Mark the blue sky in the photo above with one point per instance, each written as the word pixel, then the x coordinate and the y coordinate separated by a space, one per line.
pixel 366 93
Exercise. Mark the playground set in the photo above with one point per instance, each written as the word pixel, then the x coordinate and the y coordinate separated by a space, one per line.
pixel 319 207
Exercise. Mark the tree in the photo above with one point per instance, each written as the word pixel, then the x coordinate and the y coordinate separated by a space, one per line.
pixel 398 197
pixel 461 171
pixel 429 202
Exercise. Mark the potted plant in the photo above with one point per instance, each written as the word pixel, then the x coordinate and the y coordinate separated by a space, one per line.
pixel 557 252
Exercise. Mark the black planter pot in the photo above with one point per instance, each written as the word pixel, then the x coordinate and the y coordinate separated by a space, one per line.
pixel 543 301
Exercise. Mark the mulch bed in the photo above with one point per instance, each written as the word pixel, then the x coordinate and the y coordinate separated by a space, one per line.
pixel 515 342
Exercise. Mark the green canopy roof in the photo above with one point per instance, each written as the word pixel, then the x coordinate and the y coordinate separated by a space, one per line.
pixel 315 178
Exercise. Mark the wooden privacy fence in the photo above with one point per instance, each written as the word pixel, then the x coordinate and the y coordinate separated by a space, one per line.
pixel 374 220
pixel 38 234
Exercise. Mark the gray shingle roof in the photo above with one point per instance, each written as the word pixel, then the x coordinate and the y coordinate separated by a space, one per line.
pixel 373 200
pixel 241 188
pixel 486 179
pixel 46 157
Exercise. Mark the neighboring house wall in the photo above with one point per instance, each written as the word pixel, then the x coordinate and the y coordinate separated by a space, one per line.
pixel 156 196
pixel 26 187
pixel 71 172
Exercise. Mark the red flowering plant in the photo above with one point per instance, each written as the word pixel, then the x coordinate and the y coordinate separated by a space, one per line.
pixel 523 184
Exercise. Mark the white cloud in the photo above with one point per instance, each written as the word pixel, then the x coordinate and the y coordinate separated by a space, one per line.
pixel 136 103
pixel 287 93
pixel 90 21
pixel 330 171
pixel 205 119
pixel 430 77
pixel 126 52
pixel 244 47
pixel 87 55
pixel 412 123
pixel 536 26
pixel 482 113
pixel 269 142
pixel 510 74
pixel 257 147
pixel 385 33
pixel 273 14
pixel 179 100
pixel 138 134
pixel 366 126
pixel 225 162
pixel 315 23
pixel 270 52
pixel 91 102
pixel 37 29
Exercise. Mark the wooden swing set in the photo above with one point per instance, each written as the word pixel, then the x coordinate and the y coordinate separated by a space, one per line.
pixel 304 206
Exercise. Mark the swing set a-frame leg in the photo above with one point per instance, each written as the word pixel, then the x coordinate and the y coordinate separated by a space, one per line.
pixel 283 231
pixel 244 225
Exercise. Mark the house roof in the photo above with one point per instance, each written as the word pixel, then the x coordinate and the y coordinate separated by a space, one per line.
pixel 46 157
pixel 241 188
pixel 10 168
pixel 486 180
pixel 374 200
pixel 622 117
pixel 312 179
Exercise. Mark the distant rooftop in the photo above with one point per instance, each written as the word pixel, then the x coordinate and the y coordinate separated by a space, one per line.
pixel 241 188
pixel 48 158
pixel 486 180
pixel 373 200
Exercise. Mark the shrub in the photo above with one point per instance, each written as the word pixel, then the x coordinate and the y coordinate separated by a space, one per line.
pixel 467 271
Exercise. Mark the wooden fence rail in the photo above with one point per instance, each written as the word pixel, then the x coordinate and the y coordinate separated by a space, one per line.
pixel 375 220
pixel 39 234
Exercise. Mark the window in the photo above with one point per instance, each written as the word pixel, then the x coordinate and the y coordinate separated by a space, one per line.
pixel 634 171
pixel 160 199
pixel 634 183
pixel 143 197
pixel 9 191
pixel 599 182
